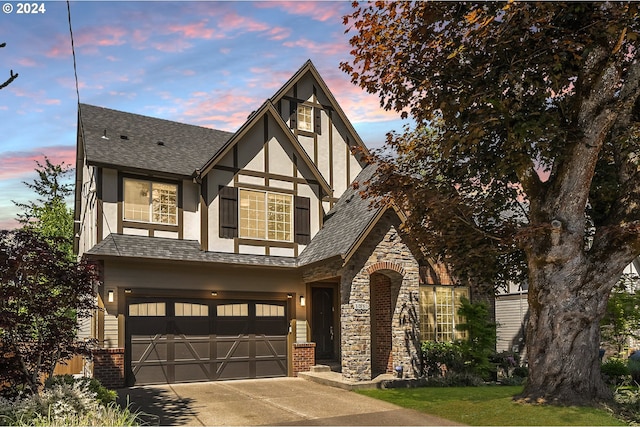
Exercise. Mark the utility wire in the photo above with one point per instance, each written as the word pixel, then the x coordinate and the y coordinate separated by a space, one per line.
pixel 82 134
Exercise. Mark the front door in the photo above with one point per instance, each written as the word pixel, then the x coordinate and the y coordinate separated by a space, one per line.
pixel 322 331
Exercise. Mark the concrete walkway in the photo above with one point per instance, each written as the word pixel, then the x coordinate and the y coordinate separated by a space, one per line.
pixel 273 401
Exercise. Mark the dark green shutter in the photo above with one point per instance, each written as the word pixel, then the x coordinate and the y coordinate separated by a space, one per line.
pixel 228 212
pixel 293 114
pixel 302 220
pixel 317 120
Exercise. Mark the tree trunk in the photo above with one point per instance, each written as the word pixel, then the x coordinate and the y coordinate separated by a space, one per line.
pixel 566 304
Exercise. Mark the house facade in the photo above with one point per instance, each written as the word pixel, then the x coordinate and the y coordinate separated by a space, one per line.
pixel 246 254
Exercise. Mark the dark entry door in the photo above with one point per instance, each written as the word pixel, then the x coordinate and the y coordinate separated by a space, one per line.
pixel 322 332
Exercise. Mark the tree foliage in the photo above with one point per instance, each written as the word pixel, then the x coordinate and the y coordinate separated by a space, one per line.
pixel 622 318
pixel 43 295
pixel 522 159
pixel 12 75
pixel 49 215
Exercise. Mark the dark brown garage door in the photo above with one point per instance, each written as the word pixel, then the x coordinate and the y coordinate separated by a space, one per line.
pixel 175 340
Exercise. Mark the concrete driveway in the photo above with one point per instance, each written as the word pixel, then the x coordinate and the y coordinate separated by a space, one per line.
pixel 274 401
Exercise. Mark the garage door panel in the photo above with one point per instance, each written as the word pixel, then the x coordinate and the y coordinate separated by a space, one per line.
pixel 205 340
pixel 233 370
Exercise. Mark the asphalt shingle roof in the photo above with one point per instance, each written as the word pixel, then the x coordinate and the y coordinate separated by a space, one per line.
pixel 343 225
pixel 185 147
pixel 158 248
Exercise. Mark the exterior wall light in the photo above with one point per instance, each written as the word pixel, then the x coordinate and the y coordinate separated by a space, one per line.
pixel 214 293
pixel 302 300
pixel 110 295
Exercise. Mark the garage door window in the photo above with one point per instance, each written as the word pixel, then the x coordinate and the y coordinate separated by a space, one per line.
pixel 147 309
pixel 269 310
pixel 233 310
pixel 185 309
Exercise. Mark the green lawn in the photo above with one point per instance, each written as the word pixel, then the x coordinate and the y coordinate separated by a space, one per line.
pixel 490 406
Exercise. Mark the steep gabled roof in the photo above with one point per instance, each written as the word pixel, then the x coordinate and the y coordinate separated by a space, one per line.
pixel 308 67
pixel 184 147
pixel 267 108
pixel 346 224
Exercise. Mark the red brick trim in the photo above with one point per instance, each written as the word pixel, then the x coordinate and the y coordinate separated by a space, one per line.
pixel 304 357
pixel 108 366
pixel 385 265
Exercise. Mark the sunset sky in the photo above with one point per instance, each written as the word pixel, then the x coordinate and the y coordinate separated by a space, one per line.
pixel 207 63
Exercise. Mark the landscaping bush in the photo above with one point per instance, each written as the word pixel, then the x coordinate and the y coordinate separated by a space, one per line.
pixel 103 394
pixel 614 371
pixel 634 370
pixel 442 357
pixel 64 404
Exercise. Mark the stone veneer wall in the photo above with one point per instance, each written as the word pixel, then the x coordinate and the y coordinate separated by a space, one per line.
pixel 383 252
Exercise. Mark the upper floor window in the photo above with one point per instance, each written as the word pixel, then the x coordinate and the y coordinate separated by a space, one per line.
pixel 439 312
pixel 305 114
pixel 266 215
pixel 149 201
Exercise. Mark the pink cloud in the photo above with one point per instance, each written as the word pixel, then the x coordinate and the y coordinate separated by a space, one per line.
pixel 319 11
pixel 232 21
pixel 27 62
pixel 174 46
pixel 279 33
pixel 193 31
pixel 319 48
pixel 217 110
pixel 18 164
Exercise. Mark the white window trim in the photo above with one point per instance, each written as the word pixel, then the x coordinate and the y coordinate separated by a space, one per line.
pixel 310 129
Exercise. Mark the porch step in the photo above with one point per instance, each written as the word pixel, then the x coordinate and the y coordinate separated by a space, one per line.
pixel 320 368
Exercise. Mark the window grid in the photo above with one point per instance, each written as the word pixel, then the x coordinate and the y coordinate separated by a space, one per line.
pixel 147 309
pixel 269 310
pixel 438 312
pixel 265 215
pixel 304 118
pixel 148 201
pixel 232 310
pixel 185 309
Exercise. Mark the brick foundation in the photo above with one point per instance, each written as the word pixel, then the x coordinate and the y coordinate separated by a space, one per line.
pixel 304 357
pixel 108 367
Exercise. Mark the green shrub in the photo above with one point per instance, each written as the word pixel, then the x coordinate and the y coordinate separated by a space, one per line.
pixel 520 371
pixel 442 357
pixel 614 370
pixel 103 394
pixel 634 370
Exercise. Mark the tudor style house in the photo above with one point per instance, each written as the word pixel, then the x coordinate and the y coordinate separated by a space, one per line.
pixel 246 254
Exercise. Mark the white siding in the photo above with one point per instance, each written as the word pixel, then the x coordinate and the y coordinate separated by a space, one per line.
pixel 511 312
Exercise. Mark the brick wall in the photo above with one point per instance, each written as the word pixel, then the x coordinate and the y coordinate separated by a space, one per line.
pixel 108 367
pixel 381 310
pixel 303 357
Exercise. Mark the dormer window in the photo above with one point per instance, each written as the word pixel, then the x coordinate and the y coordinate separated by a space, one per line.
pixel 148 201
pixel 305 114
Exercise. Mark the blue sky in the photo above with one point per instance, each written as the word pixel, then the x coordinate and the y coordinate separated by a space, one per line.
pixel 207 63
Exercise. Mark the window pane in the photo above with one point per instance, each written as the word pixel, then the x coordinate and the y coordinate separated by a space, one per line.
pixel 164 202
pixel 460 293
pixel 427 313
pixel 136 200
pixel 444 313
pixel 279 217
pixel 304 118
pixel 147 309
pixel 252 214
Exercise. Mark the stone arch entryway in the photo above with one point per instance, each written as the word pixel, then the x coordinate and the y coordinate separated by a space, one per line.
pixel 385 280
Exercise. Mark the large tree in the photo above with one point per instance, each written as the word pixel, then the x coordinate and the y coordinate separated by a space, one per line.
pixel 43 294
pixel 49 214
pixel 522 159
